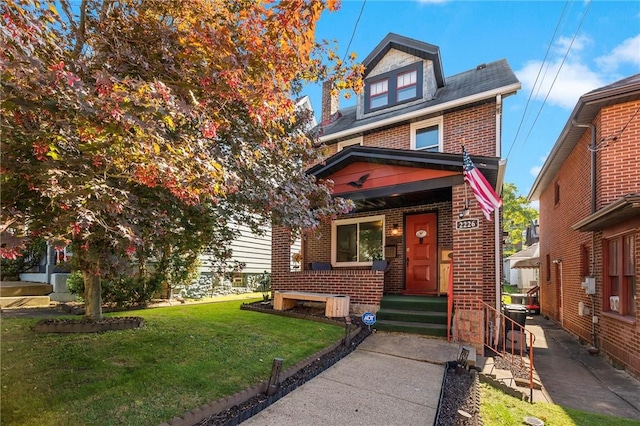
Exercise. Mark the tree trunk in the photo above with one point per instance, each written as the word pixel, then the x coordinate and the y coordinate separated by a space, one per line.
pixel 92 296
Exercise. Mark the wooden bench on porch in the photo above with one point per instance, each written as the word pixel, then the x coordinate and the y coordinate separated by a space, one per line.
pixel 337 305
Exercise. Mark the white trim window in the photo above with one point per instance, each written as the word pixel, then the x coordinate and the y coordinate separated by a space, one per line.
pixel 349 142
pixel 358 241
pixel 426 135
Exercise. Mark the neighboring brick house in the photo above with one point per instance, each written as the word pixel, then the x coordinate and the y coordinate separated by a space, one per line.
pixel 398 155
pixel 589 193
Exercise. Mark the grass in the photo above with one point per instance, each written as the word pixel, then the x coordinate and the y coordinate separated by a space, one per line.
pixel 498 408
pixel 185 356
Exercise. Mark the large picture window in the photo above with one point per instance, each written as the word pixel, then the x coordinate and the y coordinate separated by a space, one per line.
pixel 357 242
pixel 620 274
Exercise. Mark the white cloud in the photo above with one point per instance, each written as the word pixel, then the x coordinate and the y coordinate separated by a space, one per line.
pixel 572 81
pixel 535 205
pixel 535 170
pixel 628 52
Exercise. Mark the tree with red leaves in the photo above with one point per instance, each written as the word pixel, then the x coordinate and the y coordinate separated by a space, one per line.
pixel 140 129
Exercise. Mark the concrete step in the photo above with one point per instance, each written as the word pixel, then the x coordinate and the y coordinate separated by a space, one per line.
pixel 24 288
pixel 504 380
pixel 25 301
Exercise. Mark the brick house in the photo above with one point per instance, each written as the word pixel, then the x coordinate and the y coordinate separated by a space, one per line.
pixel 398 155
pixel 589 193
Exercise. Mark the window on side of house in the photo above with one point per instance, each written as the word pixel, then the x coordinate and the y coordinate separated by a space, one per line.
pixel 349 142
pixel 547 268
pixel 619 274
pixel 556 193
pixel 357 242
pixel 393 87
pixel 426 135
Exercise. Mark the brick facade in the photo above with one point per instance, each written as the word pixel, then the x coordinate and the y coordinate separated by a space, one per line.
pixel 474 125
pixel 617 174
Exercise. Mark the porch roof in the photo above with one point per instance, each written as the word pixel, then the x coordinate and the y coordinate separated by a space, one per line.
pixel 623 208
pixel 435 187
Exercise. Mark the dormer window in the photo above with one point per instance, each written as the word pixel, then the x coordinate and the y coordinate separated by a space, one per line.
pixel 407 85
pixel 393 88
pixel 379 94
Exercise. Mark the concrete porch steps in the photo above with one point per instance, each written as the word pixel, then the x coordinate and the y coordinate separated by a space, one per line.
pixel 24 301
pixel 505 381
pixel 24 288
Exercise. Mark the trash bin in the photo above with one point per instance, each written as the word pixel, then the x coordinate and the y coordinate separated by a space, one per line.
pixel 518 313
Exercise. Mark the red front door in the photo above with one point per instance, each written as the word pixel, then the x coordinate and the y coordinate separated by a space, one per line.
pixel 421 254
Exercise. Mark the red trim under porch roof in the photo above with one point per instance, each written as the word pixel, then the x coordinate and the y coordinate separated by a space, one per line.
pixel 380 175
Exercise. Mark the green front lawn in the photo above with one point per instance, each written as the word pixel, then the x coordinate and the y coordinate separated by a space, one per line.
pixel 184 357
pixel 499 409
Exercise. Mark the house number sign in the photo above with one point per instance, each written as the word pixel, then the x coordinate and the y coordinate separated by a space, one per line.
pixel 464 224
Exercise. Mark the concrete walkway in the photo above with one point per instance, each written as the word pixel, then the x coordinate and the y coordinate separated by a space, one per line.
pixel 390 379
pixel 573 378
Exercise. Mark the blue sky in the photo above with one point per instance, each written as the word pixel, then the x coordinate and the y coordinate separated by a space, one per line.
pixel 603 46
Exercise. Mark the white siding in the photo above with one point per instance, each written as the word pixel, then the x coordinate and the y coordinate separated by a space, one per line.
pixel 252 250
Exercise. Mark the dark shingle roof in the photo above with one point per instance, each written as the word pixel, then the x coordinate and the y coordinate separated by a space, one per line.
pixel 484 78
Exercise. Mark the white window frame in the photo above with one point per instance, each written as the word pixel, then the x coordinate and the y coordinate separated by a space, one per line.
pixel 334 238
pixel 349 142
pixel 427 123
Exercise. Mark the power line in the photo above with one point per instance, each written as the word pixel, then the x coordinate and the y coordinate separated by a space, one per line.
pixel 546 54
pixel 354 31
pixel 584 16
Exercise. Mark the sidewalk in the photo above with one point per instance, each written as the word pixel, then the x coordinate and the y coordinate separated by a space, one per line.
pixel 390 379
pixel 573 378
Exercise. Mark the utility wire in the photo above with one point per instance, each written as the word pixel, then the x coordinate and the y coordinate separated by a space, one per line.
pixel 558 72
pixel 546 54
pixel 354 31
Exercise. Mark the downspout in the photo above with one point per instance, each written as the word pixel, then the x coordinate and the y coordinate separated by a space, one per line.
pixel 496 226
pixel 592 150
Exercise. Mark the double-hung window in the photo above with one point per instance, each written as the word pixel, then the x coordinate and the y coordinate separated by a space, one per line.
pixel 357 242
pixel 393 87
pixel 379 94
pixel 426 135
pixel 620 274
pixel 407 86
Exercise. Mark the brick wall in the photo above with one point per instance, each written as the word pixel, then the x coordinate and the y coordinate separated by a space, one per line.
pixel 317 245
pixel 617 174
pixel 475 127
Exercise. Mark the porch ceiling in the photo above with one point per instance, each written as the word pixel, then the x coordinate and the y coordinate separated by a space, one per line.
pixel 402 192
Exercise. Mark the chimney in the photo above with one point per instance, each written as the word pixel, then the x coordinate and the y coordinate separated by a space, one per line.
pixel 330 104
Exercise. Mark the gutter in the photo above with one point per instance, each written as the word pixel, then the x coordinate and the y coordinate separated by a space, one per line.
pixel 502 164
pixel 502 91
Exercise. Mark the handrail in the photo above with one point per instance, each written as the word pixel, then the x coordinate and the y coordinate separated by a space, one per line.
pixel 450 298
pixel 496 327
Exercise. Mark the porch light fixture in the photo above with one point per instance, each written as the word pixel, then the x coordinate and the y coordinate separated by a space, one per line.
pixel 395 231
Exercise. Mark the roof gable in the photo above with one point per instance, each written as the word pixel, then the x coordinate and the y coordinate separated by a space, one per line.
pixel 408 45
pixel 585 111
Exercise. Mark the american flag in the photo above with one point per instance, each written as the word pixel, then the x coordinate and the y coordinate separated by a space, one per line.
pixel 486 196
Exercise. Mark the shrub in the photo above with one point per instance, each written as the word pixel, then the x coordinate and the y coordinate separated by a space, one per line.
pixel 121 292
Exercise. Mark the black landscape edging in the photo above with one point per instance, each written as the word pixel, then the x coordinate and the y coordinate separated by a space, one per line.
pixel 230 409
pixel 87 325
pixel 475 396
